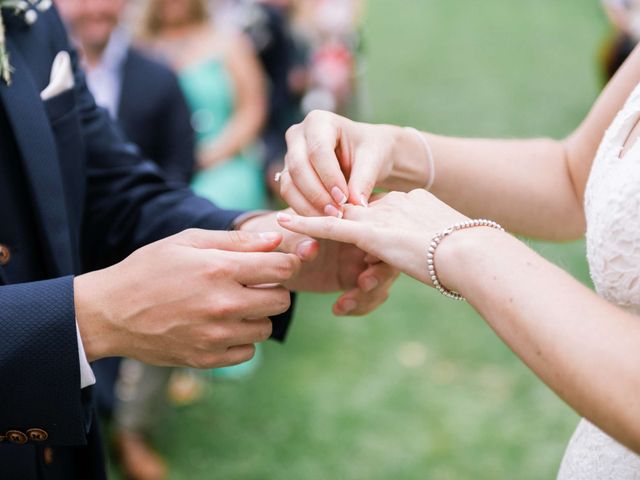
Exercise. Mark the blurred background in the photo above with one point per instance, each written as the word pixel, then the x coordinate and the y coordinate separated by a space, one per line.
pixel 422 388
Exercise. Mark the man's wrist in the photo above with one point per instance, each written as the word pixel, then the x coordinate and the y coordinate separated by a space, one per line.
pixel 244 218
pixel 91 319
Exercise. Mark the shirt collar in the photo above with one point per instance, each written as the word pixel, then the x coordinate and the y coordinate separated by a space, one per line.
pixel 115 53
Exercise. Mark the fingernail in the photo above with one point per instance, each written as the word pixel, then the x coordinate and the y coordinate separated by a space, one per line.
pixel 369 284
pixel 338 196
pixel 331 211
pixel 283 217
pixel 270 236
pixel 348 305
pixel 363 201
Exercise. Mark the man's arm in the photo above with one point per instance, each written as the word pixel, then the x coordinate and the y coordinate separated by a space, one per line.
pixel 177 155
pixel 37 322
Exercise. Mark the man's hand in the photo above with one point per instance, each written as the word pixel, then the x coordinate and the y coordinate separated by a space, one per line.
pixel 332 267
pixel 199 298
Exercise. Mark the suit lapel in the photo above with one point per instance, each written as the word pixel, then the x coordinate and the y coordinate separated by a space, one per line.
pixel 37 145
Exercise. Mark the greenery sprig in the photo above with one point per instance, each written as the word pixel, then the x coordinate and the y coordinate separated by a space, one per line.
pixel 27 10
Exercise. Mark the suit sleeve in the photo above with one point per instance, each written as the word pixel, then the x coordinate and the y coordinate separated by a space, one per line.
pixel 38 328
pixel 128 201
pixel 177 158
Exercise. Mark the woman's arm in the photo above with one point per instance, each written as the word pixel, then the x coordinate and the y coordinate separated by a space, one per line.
pixel 250 104
pixel 534 187
pixel 617 13
pixel 585 349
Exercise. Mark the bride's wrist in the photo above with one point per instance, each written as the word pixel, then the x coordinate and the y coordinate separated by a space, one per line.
pixel 410 160
pixel 459 255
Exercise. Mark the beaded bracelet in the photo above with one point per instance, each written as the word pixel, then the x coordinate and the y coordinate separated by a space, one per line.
pixel 435 241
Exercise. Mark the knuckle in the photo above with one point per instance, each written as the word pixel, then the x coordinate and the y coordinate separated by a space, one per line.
pixel 291 132
pixel 223 268
pixel 294 169
pixel 223 307
pixel 316 115
pixel 215 337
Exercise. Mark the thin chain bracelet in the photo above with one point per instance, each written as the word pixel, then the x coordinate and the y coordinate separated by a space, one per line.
pixel 429 153
pixel 435 241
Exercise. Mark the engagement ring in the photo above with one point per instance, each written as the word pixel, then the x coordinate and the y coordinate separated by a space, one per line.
pixel 278 176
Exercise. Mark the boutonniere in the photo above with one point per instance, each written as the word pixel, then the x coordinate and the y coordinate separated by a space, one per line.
pixel 28 11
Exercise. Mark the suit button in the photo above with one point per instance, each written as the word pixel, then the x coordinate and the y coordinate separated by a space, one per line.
pixel 47 454
pixel 5 254
pixel 16 436
pixel 37 434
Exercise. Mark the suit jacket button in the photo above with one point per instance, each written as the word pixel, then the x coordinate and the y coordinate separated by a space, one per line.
pixel 16 436
pixel 47 454
pixel 5 254
pixel 37 434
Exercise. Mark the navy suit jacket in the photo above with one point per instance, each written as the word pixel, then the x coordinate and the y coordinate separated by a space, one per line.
pixel 154 115
pixel 74 195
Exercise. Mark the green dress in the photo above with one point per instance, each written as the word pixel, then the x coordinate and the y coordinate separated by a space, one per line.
pixel 238 183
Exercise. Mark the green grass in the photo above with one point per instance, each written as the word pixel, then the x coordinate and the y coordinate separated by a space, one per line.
pixel 338 401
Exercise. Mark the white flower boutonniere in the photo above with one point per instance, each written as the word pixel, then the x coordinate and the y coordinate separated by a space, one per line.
pixel 28 11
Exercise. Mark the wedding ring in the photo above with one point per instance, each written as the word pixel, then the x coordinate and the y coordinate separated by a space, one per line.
pixel 279 175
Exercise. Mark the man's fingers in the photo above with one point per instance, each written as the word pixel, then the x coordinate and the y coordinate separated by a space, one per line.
pixel 238 354
pixel 372 291
pixel 249 268
pixel 377 275
pixel 236 241
pixel 329 228
pixel 265 302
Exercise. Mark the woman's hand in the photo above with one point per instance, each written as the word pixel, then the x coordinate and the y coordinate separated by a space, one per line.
pixel 396 229
pixel 332 161
pixel 329 266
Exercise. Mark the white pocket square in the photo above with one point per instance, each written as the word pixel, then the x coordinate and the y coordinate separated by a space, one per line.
pixel 61 78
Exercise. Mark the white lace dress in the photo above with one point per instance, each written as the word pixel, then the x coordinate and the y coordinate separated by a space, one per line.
pixel 612 206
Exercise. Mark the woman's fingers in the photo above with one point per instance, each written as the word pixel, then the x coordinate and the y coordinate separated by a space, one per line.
pixel 364 175
pixel 300 151
pixel 323 134
pixel 330 228
pixel 295 199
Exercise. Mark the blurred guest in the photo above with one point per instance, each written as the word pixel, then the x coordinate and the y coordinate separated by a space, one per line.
pixel 625 18
pixel 145 98
pixel 332 29
pixel 142 94
pixel 224 86
pixel 267 23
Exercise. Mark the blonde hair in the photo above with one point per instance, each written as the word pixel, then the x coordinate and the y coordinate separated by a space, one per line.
pixel 152 24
